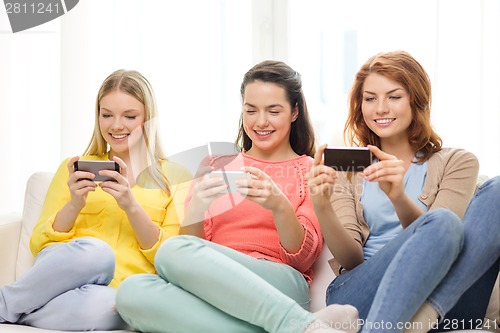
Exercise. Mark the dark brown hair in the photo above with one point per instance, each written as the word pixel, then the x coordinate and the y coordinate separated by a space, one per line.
pixel 302 138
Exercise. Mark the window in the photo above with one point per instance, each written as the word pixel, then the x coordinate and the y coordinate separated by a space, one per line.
pixel 457 42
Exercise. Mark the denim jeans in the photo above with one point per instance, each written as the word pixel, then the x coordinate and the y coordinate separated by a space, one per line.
pixel 421 264
pixel 66 289
pixel 209 288
pixel 464 293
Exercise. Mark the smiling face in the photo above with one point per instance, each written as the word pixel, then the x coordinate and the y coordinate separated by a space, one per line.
pixel 267 119
pixel 119 115
pixel 386 108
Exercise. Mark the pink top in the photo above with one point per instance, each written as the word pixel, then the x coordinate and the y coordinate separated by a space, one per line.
pixel 249 228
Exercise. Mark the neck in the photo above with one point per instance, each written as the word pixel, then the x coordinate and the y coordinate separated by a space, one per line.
pixel 281 155
pixel 402 151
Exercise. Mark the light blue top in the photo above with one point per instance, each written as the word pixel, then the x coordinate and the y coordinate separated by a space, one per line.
pixel 379 212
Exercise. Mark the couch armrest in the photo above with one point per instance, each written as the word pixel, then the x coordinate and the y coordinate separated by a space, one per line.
pixel 10 232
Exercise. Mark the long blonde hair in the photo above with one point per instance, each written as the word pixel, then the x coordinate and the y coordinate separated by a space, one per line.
pixel 136 85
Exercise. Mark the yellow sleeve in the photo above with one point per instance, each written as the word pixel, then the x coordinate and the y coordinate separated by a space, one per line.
pixel 179 182
pixel 57 196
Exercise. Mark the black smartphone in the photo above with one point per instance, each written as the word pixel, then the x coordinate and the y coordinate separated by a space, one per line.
pixel 230 177
pixel 95 166
pixel 348 158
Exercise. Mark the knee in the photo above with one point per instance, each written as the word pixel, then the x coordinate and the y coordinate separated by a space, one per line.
pixel 176 253
pixel 447 227
pixel 179 248
pixel 93 256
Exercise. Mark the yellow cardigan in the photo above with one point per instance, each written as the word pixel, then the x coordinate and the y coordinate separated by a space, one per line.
pixel 104 219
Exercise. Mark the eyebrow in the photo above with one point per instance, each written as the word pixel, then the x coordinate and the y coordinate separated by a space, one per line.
pixel 130 110
pixel 267 107
pixel 387 93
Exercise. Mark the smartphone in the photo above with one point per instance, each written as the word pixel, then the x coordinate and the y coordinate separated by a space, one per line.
pixel 348 158
pixel 230 177
pixel 95 166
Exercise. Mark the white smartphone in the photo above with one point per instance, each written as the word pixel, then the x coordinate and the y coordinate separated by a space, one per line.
pixel 348 158
pixel 230 177
pixel 95 166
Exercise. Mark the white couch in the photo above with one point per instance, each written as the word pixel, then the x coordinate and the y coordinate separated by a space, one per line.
pixel 16 258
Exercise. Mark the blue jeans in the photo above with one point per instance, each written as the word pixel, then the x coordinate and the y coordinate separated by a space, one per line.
pixel 472 277
pixel 66 289
pixel 421 264
pixel 206 287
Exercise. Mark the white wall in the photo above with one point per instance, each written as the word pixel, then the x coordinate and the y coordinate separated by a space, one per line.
pixel 29 107
pixel 195 53
pixel 457 42
pixel 192 52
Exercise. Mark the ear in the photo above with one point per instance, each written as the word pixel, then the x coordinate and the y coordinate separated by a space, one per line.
pixel 295 112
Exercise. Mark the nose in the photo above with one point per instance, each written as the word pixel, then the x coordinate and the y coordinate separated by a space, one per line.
pixel 117 124
pixel 382 106
pixel 262 119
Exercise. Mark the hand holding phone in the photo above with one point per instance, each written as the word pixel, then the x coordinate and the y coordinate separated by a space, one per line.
pixel 230 177
pixel 94 167
pixel 354 159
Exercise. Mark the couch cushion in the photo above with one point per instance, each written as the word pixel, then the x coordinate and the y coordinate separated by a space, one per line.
pixel 323 276
pixel 36 189
pixel 10 232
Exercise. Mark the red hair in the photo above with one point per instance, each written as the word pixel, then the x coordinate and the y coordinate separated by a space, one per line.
pixel 404 69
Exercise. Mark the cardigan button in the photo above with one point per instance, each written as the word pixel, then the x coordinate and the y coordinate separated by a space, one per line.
pixel 424 196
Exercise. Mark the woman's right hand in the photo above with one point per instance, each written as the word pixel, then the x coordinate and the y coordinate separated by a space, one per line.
pixel 207 189
pixel 80 183
pixel 388 172
pixel 321 179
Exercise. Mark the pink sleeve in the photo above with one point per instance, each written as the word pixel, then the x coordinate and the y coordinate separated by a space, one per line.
pixel 309 251
pixel 313 238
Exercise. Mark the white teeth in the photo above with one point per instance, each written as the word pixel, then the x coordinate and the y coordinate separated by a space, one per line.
pixel 118 136
pixel 384 121
pixel 263 132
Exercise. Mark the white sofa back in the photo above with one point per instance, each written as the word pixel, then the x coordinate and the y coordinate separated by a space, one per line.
pixel 36 189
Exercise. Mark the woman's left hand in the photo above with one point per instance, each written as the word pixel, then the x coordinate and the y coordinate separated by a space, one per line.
pixel 120 190
pixel 260 188
pixel 388 172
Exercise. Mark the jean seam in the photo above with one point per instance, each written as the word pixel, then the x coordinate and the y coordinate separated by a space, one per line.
pixel 433 303
pixel 383 304
pixel 330 290
pixel 438 308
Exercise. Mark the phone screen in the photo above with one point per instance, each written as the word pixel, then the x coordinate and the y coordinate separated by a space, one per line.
pixel 348 159
pixel 230 178
pixel 95 166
